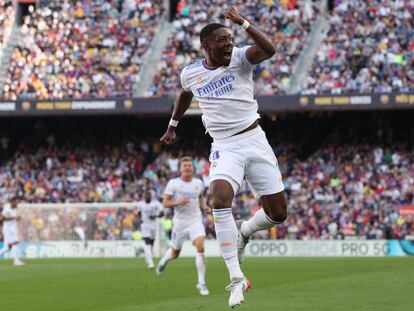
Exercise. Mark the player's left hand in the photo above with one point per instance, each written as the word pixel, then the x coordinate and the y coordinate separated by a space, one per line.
pixel 232 14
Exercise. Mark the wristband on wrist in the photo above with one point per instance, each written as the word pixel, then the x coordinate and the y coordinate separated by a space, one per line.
pixel 173 123
pixel 245 25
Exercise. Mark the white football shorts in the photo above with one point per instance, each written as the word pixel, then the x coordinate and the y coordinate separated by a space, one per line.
pixel 186 231
pixel 148 231
pixel 9 236
pixel 246 155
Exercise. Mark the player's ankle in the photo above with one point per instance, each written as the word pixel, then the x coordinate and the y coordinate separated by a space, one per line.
pixel 244 234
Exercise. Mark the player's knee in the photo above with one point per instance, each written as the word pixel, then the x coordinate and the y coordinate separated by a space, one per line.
pixel 279 212
pixel 200 249
pixel 175 253
pixel 220 202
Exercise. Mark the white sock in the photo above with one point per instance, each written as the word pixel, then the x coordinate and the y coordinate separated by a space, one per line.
pixel 15 252
pixel 201 268
pixel 167 257
pixel 259 221
pixel 226 232
pixel 148 254
pixel 4 250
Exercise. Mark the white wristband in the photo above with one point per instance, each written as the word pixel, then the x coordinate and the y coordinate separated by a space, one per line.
pixel 173 123
pixel 245 25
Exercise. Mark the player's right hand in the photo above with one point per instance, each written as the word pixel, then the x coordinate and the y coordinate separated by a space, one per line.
pixel 169 137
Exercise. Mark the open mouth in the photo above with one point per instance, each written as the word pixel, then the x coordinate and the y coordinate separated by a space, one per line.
pixel 227 54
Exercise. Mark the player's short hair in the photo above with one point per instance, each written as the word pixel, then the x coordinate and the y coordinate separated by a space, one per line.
pixel 15 198
pixel 186 159
pixel 207 31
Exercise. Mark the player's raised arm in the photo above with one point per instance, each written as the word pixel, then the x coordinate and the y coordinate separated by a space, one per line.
pixel 182 103
pixel 263 49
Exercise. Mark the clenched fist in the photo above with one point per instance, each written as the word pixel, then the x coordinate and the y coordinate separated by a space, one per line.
pixel 169 137
pixel 232 14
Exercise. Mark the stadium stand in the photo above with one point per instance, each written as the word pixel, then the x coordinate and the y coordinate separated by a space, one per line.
pixel 369 47
pixel 344 178
pixel 346 174
pixel 74 49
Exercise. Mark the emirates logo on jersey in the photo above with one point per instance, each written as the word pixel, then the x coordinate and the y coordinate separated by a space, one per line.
pixel 217 88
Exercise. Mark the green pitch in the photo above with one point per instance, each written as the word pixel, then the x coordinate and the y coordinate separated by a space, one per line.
pixel 278 284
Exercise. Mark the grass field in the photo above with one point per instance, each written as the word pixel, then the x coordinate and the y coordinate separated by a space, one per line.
pixel 278 284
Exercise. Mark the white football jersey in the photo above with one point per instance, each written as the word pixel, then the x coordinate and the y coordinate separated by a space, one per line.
pixel 147 210
pixel 8 211
pixel 177 189
pixel 225 94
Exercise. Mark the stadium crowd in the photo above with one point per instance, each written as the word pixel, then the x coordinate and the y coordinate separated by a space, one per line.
pixel 369 47
pixel 74 49
pixel 94 48
pixel 346 186
pixel 287 22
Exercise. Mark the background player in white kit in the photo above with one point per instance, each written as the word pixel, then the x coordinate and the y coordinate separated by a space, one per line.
pixel 10 239
pixel 222 83
pixel 150 209
pixel 185 195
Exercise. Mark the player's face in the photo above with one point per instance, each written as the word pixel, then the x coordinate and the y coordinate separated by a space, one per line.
pixel 14 204
pixel 186 169
pixel 147 197
pixel 221 46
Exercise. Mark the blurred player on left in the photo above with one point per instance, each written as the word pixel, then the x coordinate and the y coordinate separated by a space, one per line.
pixel 150 209
pixel 10 240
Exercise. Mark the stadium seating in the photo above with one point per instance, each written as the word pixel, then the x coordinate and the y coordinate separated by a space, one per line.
pixel 94 49
pixel 339 184
pixel 76 49
pixel 369 47
pixel 338 192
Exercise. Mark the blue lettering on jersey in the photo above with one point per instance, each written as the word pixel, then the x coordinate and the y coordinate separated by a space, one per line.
pixel 217 88
pixel 216 155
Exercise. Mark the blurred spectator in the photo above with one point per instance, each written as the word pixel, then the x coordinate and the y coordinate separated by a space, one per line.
pixel 7 15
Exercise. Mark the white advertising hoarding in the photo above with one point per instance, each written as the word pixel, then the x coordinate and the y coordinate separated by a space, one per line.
pixel 256 248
